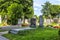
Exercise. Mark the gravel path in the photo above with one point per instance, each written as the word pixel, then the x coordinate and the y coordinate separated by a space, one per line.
pixel 5 32
pixel 3 38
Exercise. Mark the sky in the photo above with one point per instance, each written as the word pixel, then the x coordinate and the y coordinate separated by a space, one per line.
pixel 37 5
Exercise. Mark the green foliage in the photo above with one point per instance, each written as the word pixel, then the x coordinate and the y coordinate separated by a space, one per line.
pixel 38 34
pixel 29 12
pixel 25 25
pixel 15 9
pixel 50 10
pixel 55 10
pixel 46 9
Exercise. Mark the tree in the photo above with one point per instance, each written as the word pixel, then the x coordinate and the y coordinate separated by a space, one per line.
pixel 8 6
pixel 15 11
pixel 28 8
pixel 50 10
pixel 46 9
pixel 54 10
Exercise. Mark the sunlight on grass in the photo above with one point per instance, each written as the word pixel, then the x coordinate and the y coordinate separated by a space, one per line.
pixel 38 34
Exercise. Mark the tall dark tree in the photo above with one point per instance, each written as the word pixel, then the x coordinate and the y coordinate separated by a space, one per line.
pixel 46 9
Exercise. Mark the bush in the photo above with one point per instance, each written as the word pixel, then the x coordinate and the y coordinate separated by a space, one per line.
pixel 56 26
pixel 3 24
pixel 25 24
pixel 12 21
pixel 49 26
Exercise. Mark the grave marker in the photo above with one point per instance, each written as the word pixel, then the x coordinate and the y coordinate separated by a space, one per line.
pixel 41 21
pixel 19 22
pixel 33 22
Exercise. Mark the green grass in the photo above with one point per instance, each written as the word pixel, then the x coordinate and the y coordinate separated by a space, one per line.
pixel 3 30
pixel 38 34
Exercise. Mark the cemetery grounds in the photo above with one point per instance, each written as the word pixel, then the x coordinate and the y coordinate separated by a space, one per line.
pixel 37 34
pixel 40 33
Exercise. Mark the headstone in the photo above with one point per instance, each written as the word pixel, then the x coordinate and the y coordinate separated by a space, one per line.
pixel 59 20
pixel 48 21
pixel 26 21
pixel 19 22
pixel 33 22
pixel 0 19
pixel 55 20
pixel 41 21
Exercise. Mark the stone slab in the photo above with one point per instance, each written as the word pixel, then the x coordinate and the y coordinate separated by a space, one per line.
pixel 15 31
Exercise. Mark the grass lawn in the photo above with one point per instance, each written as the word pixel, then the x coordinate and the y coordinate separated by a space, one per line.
pixel 38 34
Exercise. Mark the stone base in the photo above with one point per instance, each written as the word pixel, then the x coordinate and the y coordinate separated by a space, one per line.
pixel 15 31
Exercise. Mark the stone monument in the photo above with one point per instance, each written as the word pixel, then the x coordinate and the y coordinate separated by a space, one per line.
pixel 41 21
pixel 33 22
pixel 19 22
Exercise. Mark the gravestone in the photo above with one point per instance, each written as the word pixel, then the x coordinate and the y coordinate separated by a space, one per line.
pixel 26 21
pixel 41 21
pixel 48 21
pixel 19 22
pixel 33 22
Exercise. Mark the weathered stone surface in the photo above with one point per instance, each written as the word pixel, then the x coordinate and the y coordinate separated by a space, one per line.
pixel 19 22
pixel 9 27
pixel 41 21
pixel 33 22
pixel 15 31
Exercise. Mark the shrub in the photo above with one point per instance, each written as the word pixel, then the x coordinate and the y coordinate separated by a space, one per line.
pixel 25 24
pixel 49 26
pixel 56 26
pixel 12 21
pixel 3 24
